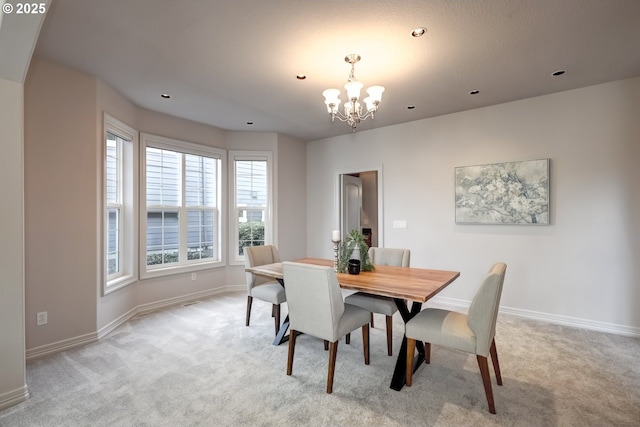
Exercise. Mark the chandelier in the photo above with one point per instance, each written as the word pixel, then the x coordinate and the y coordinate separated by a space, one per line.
pixel 353 111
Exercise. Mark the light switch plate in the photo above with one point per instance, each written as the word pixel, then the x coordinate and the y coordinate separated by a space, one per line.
pixel 399 223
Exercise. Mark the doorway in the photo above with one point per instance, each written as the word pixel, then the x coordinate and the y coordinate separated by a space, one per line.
pixel 360 203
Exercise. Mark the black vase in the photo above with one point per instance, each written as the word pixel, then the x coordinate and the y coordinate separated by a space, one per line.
pixel 354 266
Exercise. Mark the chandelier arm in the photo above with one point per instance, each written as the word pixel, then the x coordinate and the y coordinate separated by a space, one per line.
pixel 366 115
pixel 356 117
pixel 338 115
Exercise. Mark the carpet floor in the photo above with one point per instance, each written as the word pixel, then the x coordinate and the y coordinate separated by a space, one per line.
pixel 198 365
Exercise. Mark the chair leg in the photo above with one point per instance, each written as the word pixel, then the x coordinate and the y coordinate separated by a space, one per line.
pixel 494 359
pixel 365 343
pixel 389 335
pixel 249 301
pixel 292 344
pixel 486 380
pixel 333 351
pixel 411 348
pixel 427 353
pixel 326 345
pixel 347 338
pixel 276 312
pixel 372 321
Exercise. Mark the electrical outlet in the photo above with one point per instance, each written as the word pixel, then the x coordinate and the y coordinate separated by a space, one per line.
pixel 193 276
pixel 41 318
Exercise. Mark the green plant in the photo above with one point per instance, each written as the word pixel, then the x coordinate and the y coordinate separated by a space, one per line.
pixel 352 242
pixel 250 234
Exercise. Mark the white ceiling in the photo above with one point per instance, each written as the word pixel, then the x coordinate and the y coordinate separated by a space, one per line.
pixel 225 62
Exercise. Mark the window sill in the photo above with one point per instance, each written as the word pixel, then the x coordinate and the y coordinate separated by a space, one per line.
pixel 118 283
pixel 182 269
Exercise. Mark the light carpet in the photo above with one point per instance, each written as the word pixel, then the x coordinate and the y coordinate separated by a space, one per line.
pixel 198 365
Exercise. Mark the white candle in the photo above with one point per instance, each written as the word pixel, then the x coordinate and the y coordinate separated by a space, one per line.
pixel 335 235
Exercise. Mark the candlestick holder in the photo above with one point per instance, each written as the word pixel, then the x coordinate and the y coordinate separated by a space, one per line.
pixel 336 247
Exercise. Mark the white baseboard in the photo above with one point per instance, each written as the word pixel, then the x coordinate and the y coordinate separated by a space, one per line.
pixel 612 328
pixel 56 347
pixel 440 302
pixel 157 305
pixel 14 397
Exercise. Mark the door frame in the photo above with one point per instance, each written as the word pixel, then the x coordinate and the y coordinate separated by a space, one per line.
pixel 337 197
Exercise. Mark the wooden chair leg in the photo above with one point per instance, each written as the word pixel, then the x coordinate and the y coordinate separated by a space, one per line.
pixel 411 348
pixel 333 351
pixel 326 345
pixel 276 312
pixel 427 353
pixel 365 343
pixel 389 335
pixel 292 344
pixel 494 359
pixel 372 321
pixel 249 301
pixel 486 380
pixel 347 338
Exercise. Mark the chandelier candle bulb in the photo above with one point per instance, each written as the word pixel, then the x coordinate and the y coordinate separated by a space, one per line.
pixel 353 90
pixel 375 92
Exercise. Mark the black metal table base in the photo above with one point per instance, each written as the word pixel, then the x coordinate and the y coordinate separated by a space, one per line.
pixel 282 336
pixel 399 378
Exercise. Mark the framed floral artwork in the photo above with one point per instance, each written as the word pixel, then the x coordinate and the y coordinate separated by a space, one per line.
pixel 503 193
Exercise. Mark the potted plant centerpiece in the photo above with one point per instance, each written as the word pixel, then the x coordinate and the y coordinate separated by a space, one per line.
pixel 354 247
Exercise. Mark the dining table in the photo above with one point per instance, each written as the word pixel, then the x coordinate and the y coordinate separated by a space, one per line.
pixel 402 284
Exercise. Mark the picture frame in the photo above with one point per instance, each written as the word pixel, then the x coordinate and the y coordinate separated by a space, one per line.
pixel 515 193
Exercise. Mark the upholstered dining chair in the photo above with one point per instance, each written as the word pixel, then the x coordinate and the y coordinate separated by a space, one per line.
pixel 472 333
pixel 261 287
pixel 316 308
pixel 380 304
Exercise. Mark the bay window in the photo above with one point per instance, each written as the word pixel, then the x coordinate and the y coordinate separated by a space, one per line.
pixel 251 209
pixel 182 199
pixel 120 204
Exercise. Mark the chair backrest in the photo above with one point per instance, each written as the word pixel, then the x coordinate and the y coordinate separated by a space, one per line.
pixel 314 299
pixel 259 255
pixel 389 256
pixel 483 311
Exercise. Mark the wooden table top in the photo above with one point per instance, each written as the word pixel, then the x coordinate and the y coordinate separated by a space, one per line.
pixel 414 284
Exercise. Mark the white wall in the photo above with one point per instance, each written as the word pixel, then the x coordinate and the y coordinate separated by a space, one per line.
pixel 18 36
pixel 13 387
pixel 61 243
pixel 582 269
pixel 292 198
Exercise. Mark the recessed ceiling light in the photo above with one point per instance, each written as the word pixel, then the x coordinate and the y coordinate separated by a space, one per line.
pixel 474 92
pixel 558 73
pixel 166 96
pixel 418 32
pixel 249 123
pixel 301 76
pixel 411 107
